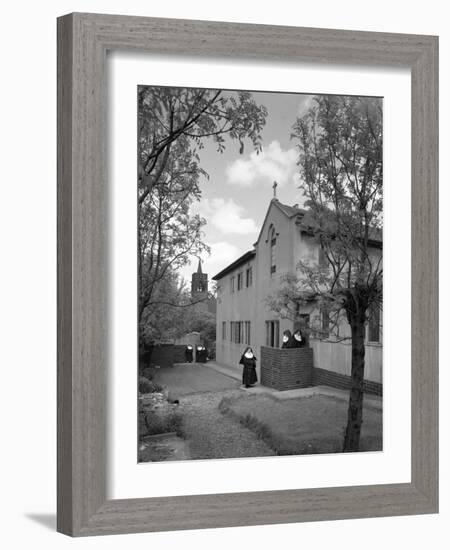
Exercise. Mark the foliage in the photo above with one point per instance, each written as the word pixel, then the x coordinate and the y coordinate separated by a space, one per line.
pixel 163 423
pixel 340 158
pixel 148 386
pixel 174 313
pixel 173 126
pixel 340 147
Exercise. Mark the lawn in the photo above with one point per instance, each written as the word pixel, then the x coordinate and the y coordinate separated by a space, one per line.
pixel 302 425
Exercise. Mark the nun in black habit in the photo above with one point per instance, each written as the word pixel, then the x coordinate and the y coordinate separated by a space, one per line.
pixel 201 354
pixel 189 353
pixel 248 360
pixel 287 339
pixel 298 340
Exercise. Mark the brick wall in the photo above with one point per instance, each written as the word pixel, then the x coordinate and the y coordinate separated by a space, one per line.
pixel 179 353
pixel 159 354
pixel 322 377
pixel 286 369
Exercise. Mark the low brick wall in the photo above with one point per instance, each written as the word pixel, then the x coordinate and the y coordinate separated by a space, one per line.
pixel 159 354
pixel 286 369
pixel 179 353
pixel 322 377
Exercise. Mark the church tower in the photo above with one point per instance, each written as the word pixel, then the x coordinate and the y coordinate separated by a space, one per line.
pixel 199 284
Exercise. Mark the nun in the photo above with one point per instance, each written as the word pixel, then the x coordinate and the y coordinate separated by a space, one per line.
pixel 248 360
pixel 201 354
pixel 298 340
pixel 287 339
pixel 189 353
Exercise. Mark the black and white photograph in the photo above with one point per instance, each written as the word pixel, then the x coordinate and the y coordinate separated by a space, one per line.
pixel 260 273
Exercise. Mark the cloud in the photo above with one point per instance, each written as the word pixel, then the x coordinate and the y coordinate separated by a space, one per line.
pixel 226 216
pixel 272 164
pixel 222 254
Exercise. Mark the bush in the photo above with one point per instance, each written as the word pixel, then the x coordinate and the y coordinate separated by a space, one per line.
pixel 148 386
pixel 157 424
pixel 148 372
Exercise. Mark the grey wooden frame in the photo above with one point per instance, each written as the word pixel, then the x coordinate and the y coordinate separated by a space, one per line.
pixel 83 40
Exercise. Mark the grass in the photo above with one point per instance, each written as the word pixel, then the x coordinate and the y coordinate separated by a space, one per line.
pixel 308 425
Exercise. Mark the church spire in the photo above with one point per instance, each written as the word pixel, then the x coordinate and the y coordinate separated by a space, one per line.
pixel 199 268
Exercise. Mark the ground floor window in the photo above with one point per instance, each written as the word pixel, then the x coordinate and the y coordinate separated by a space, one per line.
pixel 325 322
pixel 236 332
pixel 247 332
pixel 373 331
pixel 239 332
pixel 224 330
pixel 273 334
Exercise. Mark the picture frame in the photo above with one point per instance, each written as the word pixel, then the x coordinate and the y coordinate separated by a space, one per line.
pixel 83 42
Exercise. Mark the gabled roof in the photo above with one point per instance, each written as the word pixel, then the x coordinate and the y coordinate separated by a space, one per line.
pixel 306 224
pixel 240 261
pixel 289 211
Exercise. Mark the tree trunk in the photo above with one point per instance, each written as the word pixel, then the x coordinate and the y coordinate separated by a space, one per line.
pixel 355 405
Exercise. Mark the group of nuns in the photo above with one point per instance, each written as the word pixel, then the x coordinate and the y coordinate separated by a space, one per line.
pixel 295 340
pixel 248 359
pixel 201 354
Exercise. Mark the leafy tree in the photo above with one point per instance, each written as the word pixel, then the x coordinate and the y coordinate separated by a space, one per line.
pixel 340 159
pixel 173 126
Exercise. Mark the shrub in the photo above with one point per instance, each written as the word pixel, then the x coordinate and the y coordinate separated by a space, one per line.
pixel 157 424
pixel 148 372
pixel 145 386
pixel 148 386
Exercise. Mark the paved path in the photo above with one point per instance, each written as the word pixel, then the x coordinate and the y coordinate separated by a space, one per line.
pixel 187 378
pixel 210 433
pixel 214 435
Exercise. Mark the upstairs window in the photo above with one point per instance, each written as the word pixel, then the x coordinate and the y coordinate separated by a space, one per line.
pixel 240 279
pixel 232 284
pixel 247 332
pixel 249 277
pixel 273 243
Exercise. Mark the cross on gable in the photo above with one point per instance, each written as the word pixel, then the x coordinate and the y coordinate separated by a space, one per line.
pixel 275 185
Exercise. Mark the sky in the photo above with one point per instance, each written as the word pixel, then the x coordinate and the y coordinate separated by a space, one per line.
pixel 238 192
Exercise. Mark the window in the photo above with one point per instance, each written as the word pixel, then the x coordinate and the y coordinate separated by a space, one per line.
pixel 232 283
pixel 273 242
pixel 273 334
pixel 249 277
pixel 236 332
pixel 240 279
pixel 247 332
pixel 323 260
pixel 325 318
pixel 374 324
pixel 224 330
